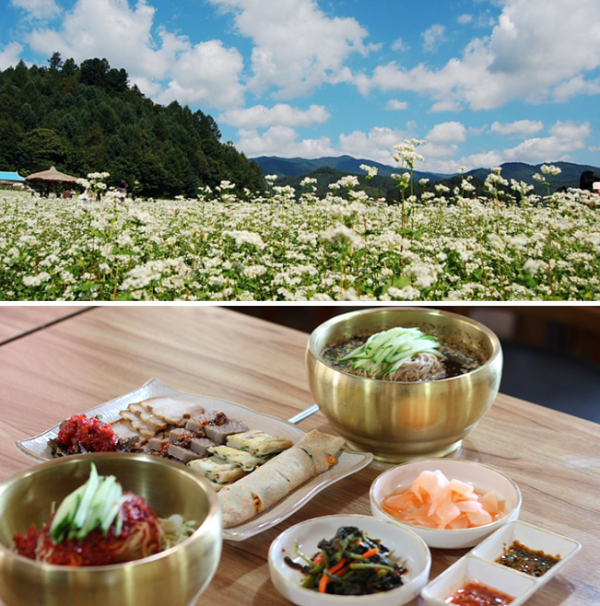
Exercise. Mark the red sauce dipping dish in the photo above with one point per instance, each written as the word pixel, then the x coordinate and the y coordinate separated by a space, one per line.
pixel 477 594
pixel 474 582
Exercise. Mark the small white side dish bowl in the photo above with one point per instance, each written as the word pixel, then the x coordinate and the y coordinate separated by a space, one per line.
pixel 482 477
pixel 410 550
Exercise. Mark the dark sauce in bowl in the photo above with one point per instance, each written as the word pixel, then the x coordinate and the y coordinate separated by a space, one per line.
pixel 529 561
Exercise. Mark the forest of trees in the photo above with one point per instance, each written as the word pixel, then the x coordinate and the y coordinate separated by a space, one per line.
pixel 87 118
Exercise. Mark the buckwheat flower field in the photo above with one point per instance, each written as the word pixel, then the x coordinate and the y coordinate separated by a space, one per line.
pixel 510 245
pixel 285 249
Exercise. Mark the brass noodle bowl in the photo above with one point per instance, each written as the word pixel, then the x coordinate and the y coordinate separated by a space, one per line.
pixel 404 421
pixel 175 577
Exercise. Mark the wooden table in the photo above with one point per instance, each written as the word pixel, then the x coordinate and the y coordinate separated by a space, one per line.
pixel 16 321
pixel 93 357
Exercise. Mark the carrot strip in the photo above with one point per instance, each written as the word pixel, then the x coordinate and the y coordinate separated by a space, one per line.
pixel 323 582
pixel 337 566
pixel 371 552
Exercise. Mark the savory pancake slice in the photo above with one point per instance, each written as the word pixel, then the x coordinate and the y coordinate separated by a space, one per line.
pixel 245 460
pixel 217 470
pixel 258 442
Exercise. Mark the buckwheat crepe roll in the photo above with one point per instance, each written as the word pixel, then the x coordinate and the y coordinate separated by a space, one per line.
pixel 313 454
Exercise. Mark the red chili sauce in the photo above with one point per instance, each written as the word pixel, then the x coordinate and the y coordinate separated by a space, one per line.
pixel 80 433
pixel 97 549
pixel 476 594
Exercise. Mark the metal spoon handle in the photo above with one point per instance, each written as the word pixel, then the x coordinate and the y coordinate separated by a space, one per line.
pixel 307 412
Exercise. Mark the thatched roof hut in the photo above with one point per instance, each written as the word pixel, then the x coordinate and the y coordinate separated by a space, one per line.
pixel 51 180
pixel 51 176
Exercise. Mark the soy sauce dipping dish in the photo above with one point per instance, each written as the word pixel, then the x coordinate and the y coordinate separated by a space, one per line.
pixel 483 479
pixel 479 565
pixel 533 537
pixel 409 550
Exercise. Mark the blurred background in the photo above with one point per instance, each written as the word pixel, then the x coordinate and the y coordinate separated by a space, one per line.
pixel 551 353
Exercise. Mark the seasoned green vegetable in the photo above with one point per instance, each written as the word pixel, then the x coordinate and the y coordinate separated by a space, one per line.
pixel 350 564
pixel 384 352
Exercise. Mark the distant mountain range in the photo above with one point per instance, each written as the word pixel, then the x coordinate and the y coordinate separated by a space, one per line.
pixel 294 167
pixel 289 169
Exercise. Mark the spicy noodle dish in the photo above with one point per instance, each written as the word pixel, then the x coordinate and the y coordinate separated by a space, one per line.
pixel 100 524
pixel 402 355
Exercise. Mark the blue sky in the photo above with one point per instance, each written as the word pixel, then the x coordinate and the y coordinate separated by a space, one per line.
pixel 482 81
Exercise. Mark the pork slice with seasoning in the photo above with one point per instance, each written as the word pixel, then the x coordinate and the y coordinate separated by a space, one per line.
pixel 140 426
pixel 172 411
pixel 123 429
pixel 183 454
pixel 201 445
pixel 219 433
pixel 197 423
pixel 177 434
pixel 155 444
pixel 147 416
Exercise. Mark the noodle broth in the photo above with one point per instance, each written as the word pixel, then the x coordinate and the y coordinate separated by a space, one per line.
pixel 458 358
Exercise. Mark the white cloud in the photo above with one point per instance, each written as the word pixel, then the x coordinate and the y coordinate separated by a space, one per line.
pixel 521 128
pixel 260 116
pixel 446 105
pixel 442 141
pixel 107 28
pixel 447 132
pixel 564 138
pixel 10 55
pixel 433 36
pixel 282 141
pixel 536 49
pixel 209 74
pixel 396 105
pixel 575 87
pixel 38 9
pixel 570 132
pixel 465 18
pixel 377 144
pixel 399 45
pixel 441 150
pixel 167 66
pixel 297 46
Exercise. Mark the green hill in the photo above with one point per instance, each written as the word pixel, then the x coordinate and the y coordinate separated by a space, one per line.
pixel 88 118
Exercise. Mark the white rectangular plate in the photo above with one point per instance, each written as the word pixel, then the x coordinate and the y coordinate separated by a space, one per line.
pixel 480 565
pixel 348 462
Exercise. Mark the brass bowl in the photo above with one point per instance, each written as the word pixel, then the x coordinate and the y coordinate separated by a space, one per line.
pixel 176 576
pixel 404 421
